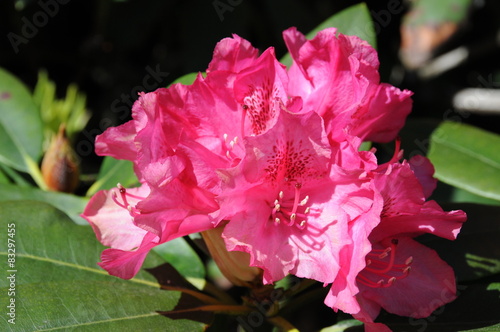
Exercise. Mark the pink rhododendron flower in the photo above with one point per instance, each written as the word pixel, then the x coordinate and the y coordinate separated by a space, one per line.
pixel 401 275
pixel 265 160
pixel 290 207
pixel 337 77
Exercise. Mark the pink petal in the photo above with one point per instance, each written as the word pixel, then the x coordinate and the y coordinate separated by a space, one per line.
pixel 337 77
pixel 232 54
pixel 424 171
pixel 113 224
pixel 117 142
pixel 126 264
pixel 261 89
pixel 429 285
pixel 175 210
pixel 386 114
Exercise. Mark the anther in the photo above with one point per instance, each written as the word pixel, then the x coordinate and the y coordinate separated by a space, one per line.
pixel 304 201
pixel 277 220
pixel 121 188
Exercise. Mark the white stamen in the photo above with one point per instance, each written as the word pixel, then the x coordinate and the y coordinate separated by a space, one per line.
pixel 304 201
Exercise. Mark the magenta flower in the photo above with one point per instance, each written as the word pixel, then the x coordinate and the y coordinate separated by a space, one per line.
pixel 337 77
pixel 265 160
pixel 290 203
pixel 401 275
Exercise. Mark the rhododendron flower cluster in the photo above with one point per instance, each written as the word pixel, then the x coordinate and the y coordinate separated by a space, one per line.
pixel 270 157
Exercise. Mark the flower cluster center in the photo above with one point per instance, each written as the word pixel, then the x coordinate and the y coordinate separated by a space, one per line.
pixel 293 211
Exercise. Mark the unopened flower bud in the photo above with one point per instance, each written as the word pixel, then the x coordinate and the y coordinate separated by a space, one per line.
pixel 59 166
pixel 234 265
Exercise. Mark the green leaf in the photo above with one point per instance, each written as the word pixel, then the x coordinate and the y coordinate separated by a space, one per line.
pixel 187 79
pixel 433 12
pixel 342 325
pixel 59 286
pixel 184 259
pixel 355 20
pixel 70 204
pixel 467 157
pixel 463 196
pixel 20 124
pixel 493 328
pixel 112 172
pixel 4 179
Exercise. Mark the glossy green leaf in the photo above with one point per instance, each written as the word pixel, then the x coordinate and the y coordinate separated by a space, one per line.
pixel 342 326
pixel 4 179
pixel 112 172
pixel 58 285
pixel 467 157
pixel 433 12
pixel 355 20
pixel 20 124
pixel 184 259
pixel 70 204
pixel 493 328
pixel 187 79
pixel 463 196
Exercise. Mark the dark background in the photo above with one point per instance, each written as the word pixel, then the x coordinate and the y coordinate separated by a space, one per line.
pixel 109 47
pixel 106 47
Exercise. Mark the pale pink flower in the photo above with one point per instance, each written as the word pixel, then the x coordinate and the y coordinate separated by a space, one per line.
pixel 116 217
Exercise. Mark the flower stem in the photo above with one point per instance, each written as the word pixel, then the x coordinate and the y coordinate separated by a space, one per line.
pixel 200 296
pixel 35 172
